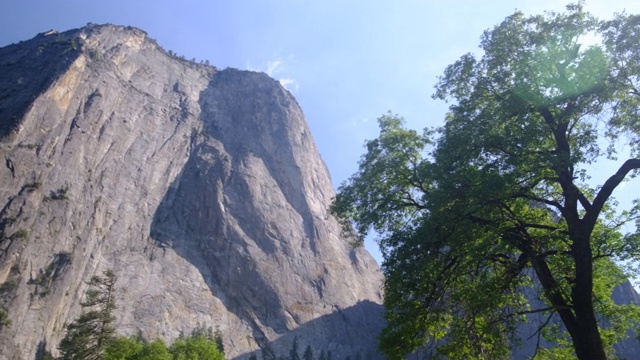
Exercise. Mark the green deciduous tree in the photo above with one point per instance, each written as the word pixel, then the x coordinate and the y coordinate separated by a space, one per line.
pixel 92 332
pixel 124 348
pixel 498 200
pixel 196 348
pixel 156 350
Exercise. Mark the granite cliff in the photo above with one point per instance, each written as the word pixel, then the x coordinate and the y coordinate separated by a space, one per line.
pixel 202 189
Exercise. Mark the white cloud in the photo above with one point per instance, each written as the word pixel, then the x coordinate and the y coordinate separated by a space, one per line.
pixel 272 67
pixel 277 70
pixel 289 84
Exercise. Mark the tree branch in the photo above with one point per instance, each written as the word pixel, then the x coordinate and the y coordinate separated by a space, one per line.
pixel 564 168
pixel 542 227
pixel 583 200
pixel 550 308
pixel 607 189
pixel 553 203
pixel 539 334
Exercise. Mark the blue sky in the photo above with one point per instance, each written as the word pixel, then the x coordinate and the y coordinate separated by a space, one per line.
pixel 347 62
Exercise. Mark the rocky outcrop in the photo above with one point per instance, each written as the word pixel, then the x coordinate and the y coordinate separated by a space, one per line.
pixel 202 189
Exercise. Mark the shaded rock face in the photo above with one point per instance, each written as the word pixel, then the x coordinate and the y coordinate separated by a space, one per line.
pixel 531 339
pixel 201 189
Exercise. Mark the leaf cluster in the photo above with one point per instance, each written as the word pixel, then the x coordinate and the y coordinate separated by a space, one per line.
pixel 92 335
pixel 195 347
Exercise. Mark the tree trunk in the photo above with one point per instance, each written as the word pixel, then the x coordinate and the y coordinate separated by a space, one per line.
pixel 578 316
pixel 586 337
pixel 587 342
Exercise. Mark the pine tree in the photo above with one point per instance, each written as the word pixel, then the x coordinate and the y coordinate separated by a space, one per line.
pixel 92 332
pixel 217 335
pixel 267 354
pixel 308 353
pixel 322 355
pixel 293 354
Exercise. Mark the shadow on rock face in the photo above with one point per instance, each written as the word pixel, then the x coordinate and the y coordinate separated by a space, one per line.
pixel 362 321
pixel 240 213
pixel 190 220
pixel 48 57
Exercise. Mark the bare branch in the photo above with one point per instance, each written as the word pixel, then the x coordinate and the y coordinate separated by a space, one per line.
pixel 550 308
pixel 553 203
pixel 539 334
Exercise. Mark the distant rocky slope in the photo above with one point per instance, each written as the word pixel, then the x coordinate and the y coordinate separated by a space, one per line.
pixel 202 189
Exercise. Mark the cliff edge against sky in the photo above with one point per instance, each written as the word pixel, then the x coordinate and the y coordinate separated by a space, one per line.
pixel 202 189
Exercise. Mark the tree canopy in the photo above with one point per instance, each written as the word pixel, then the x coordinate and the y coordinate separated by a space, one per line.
pixel 498 200
pixel 194 347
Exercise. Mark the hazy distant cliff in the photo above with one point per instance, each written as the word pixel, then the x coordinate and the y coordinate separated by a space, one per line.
pixel 202 189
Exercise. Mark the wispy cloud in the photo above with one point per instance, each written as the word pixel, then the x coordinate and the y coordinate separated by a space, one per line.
pixel 289 84
pixel 272 66
pixel 277 70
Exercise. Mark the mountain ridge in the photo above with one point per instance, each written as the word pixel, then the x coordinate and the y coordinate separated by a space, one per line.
pixel 201 188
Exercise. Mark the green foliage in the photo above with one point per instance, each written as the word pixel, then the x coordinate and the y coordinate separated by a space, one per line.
pixel 59 194
pixel 45 278
pixel 194 347
pixel 156 350
pixel 140 337
pixel 498 200
pixel 89 336
pixel 8 286
pixel 20 234
pixel 123 348
pixel 4 319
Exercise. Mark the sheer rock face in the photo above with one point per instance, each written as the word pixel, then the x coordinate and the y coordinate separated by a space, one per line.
pixel 201 189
